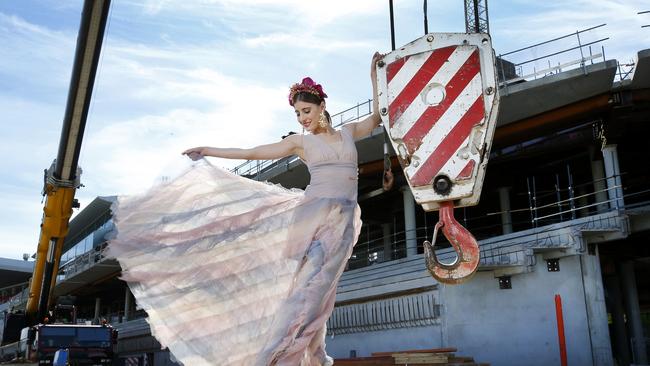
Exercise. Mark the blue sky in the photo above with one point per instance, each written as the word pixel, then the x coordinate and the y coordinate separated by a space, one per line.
pixel 176 74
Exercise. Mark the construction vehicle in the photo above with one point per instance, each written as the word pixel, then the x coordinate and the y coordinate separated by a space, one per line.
pixel 81 344
pixel 26 332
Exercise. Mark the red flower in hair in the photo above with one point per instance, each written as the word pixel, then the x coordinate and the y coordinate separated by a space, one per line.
pixel 307 85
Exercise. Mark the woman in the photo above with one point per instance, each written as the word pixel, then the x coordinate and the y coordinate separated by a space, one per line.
pixel 237 272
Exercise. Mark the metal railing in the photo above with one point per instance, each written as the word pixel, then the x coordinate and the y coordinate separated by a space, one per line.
pixel 119 317
pixel 559 54
pixel 78 264
pixel 6 293
pixel 253 168
pixel 82 262
pixel 545 208
pixel 411 310
pixel 17 301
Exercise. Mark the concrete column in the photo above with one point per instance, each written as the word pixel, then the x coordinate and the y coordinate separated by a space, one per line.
pixel 127 304
pixel 504 202
pixel 98 304
pixel 388 243
pixel 600 186
pixel 633 312
pixel 619 332
pixel 409 222
pixel 594 295
pixel 613 173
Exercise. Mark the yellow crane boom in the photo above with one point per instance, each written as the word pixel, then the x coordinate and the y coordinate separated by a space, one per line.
pixel 62 178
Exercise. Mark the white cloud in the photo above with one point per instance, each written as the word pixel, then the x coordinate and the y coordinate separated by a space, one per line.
pixel 306 41
pixel 295 13
pixel 20 220
pixel 28 50
pixel 150 103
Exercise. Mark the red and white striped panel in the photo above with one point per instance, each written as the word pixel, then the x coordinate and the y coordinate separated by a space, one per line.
pixel 437 134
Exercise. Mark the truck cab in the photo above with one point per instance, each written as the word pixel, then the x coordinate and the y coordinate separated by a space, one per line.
pixel 86 344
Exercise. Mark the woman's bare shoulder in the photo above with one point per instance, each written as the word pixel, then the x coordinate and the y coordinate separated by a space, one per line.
pixel 295 139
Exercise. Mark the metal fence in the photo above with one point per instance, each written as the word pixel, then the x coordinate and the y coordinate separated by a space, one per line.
pixel 82 262
pixel 545 208
pixel 389 313
pixel 18 301
pixel 567 52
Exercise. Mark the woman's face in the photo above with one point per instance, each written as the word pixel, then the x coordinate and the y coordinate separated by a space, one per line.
pixel 308 115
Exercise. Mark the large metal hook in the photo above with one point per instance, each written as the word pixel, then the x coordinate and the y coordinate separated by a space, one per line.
pixel 463 242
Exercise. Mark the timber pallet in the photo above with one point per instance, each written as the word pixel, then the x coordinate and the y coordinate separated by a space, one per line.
pixel 422 357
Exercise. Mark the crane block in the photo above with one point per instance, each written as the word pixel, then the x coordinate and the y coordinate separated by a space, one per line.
pixel 438 98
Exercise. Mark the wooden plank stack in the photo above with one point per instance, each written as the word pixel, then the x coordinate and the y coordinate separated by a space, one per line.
pixel 423 357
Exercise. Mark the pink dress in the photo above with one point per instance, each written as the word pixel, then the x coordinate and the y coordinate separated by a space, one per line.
pixel 237 272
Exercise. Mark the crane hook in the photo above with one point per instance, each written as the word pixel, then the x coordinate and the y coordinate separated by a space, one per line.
pixel 463 242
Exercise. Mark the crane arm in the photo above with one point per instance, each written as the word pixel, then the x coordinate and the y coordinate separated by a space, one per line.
pixel 62 178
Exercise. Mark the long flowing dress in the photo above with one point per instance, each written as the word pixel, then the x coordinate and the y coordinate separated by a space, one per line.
pixel 236 272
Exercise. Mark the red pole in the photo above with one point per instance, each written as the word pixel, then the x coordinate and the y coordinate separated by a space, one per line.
pixel 560 329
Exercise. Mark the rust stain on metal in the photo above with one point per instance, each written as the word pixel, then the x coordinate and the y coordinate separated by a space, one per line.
pixel 464 244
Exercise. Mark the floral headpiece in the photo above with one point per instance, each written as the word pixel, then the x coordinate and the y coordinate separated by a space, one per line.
pixel 307 85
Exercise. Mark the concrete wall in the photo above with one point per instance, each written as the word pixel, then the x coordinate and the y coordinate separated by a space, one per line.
pixel 339 346
pixel 505 327
pixel 510 326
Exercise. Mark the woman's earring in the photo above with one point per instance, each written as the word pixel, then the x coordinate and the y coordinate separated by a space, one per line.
pixel 322 122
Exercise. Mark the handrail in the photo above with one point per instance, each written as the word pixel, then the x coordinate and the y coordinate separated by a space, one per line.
pixel 83 261
pixel 563 51
pixel 368 251
pixel 517 67
pixel 553 40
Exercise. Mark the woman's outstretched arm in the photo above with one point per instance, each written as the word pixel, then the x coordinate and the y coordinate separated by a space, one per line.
pixel 291 145
pixel 364 128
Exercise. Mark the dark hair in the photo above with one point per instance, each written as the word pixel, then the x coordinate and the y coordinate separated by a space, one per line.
pixel 313 99
pixel 308 97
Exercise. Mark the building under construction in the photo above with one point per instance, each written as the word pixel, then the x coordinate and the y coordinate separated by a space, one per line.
pixel 563 224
